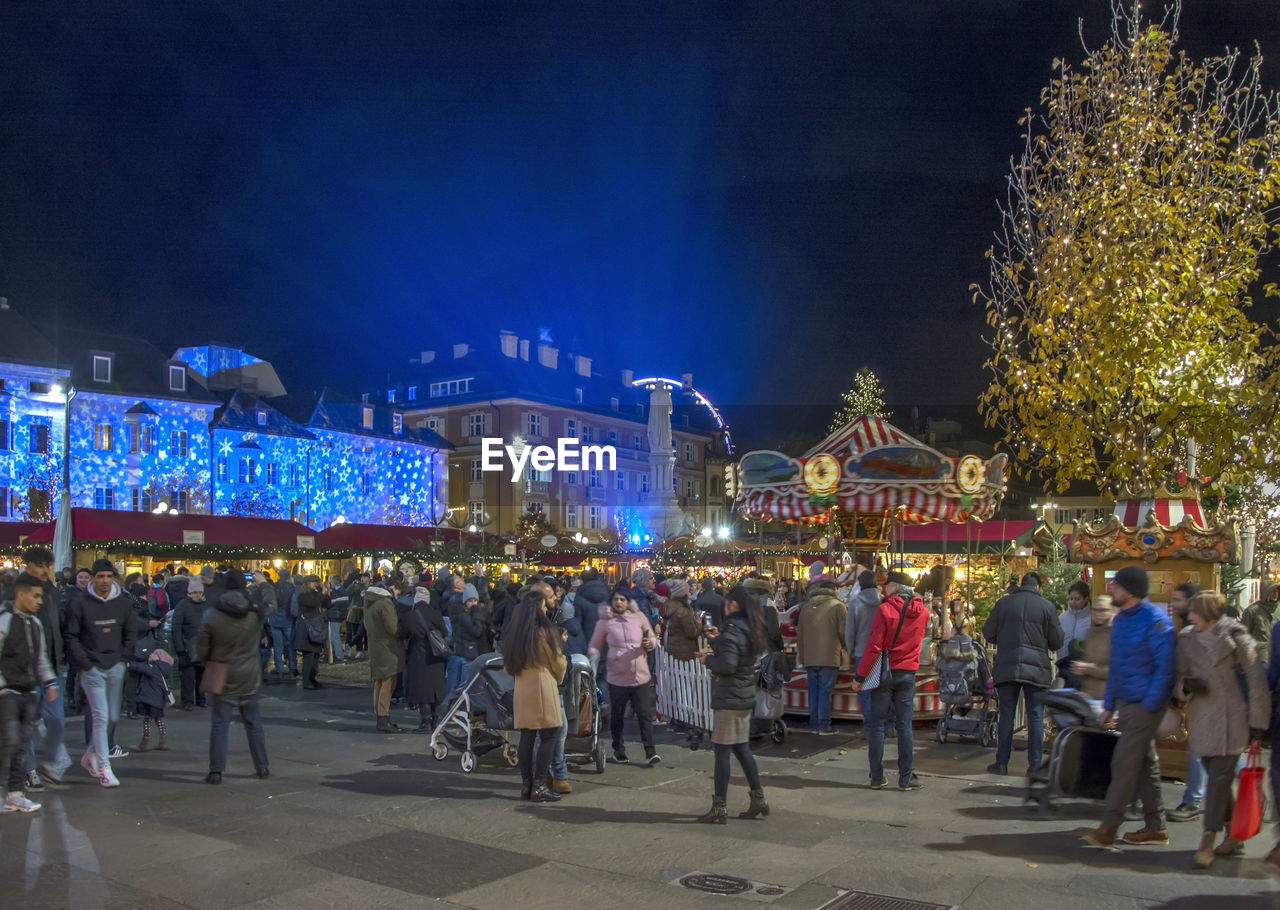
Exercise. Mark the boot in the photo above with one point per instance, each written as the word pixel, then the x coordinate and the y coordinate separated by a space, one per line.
pixel 160 746
pixel 386 726
pixel 544 795
pixel 426 723
pixel 758 806
pixel 1204 854
pixel 717 815
pixel 526 788
pixel 144 745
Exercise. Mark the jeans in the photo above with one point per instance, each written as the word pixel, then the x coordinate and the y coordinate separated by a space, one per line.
pixel 720 775
pixel 51 748
pixel 455 673
pixel 864 697
pixel 189 688
pixel 641 698
pixel 19 715
pixel 102 690
pixel 1193 794
pixel 251 716
pixel 894 699
pixel 282 649
pixel 1032 697
pixel 822 683
pixel 335 642
pixel 559 767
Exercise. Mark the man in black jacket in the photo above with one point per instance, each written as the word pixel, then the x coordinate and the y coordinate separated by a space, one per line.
pixel 710 602
pixel 1024 628
pixel 186 634
pixel 587 602
pixel 54 760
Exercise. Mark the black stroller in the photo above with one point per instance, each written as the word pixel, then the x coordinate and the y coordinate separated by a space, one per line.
pixel 962 688
pixel 582 710
pixel 772 672
pixel 480 715
pixel 1080 756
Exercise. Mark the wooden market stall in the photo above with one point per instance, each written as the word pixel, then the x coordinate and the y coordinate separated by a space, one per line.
pixel 14 537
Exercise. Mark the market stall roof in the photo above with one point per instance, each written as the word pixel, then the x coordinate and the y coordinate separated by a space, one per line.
pixel 869 465
pixel 212 535
pixel 14 536
pixel 987 536
pixel 375 539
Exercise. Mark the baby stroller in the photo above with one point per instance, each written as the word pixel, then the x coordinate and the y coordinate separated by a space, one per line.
pixel 479 716
pixel 772 673
pixel 582 709
pixel 1080 756
pixel 962 688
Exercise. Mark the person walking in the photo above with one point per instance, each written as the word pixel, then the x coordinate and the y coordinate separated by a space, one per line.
pixel 680 630
pixel 424 669
pixel 1025 629
pixel 899 628
pixel 185 632
pixel 100 639
pixel 229 635
pixel 25 676
pixel 1189 807
pixel 386 652
pixel 732 662
pixel 532 653
pixel 52 762
pixel 819 634
pixel 310 631
pixel 1139 686
pixel 1217 661
pixel 629 637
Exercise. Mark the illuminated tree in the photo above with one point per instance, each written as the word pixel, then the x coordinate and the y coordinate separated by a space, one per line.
pixel 40 477
pixel 1120 279
pixel 866 397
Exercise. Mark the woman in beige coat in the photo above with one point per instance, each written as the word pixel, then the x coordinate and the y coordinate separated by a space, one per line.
pixel 1217 660
pixel 532 653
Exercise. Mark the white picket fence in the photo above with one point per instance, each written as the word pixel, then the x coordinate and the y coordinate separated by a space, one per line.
pixel 684 691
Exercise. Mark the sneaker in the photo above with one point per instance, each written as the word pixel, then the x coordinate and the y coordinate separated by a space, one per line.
pixel 117 752
pixel 16 802
pixel 215 777
pixel 52 779
pixel 1147 836
pixel 997 768
pixel 651 760
pixel 1184 813
pixel 89 762
pixel 33 783
pixel 829 731
pixel 912 784
pixel 620 758
pixel 879 784
pixel 107 777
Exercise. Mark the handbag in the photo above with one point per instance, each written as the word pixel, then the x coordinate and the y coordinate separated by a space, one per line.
pixel 1173 725
pixel 1251 797
pixel 439 645
pixel 879 673
pixel 316 633
pixel 215 677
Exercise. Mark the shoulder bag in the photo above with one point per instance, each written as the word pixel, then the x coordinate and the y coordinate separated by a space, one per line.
pixel 439 645
pixel 879 673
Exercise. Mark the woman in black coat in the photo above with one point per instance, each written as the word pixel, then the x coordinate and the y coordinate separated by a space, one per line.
pixel 732 662
pixel 424 672
pixel 311 613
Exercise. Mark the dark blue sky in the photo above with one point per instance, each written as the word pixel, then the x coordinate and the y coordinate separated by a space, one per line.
pixel 768 194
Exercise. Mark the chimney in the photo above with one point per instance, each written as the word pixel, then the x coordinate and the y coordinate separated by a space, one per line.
pixel 508 342
pixel 524 348
pixel 428 356
pixel 460 350
pixel 582 365
pixel 627 377
pixel 686 380
pixel 548 356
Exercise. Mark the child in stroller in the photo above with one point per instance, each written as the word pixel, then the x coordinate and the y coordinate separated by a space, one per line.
pixel 965 687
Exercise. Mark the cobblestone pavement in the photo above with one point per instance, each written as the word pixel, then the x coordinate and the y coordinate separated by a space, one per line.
pixel 352 819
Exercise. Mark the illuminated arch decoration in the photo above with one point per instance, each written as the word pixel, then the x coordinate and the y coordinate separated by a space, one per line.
pixel 699 397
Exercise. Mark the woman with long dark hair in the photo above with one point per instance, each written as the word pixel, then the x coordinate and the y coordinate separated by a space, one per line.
pixel 533 655
pixel 734 649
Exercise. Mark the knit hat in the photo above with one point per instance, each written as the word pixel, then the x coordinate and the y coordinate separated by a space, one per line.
pixel 677 587
pixel 641 576
pixel 469 592
pixel 159 654
pixel 662 590
pixel 195 585
pixel 1134 580
pixel 103 565
pixel 867 579
pixel 206 572
pixel 818 570
pixel 422 596
pixel 901 578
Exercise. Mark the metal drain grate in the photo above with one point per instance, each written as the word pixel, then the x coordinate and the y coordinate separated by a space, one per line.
pixel 865 900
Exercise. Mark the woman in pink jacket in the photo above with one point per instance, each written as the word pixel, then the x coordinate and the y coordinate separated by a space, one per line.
pixel 629 637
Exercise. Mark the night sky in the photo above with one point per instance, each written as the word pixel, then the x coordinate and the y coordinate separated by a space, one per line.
pixel 767 194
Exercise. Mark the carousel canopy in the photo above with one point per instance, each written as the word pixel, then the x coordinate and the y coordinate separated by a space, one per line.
pixel 869 465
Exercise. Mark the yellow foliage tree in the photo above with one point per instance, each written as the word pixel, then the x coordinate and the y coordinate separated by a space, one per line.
pixel 1120 280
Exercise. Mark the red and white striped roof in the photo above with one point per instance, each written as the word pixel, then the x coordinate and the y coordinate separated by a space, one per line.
pixel 1169 511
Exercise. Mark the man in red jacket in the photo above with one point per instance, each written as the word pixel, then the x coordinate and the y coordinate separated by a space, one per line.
pixel 899 627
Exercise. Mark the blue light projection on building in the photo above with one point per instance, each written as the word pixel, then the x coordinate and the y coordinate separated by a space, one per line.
pixel 32 429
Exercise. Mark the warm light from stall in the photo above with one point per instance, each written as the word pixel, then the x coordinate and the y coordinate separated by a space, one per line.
pixel 505 570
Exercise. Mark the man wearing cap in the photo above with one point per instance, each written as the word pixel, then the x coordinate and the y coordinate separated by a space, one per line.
pixel 186 623
pixel 1139 685
pixel 899 627
pixel 819 631
pixel 1024 627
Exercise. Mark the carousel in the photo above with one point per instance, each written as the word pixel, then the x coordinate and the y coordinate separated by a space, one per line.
pixel 862 482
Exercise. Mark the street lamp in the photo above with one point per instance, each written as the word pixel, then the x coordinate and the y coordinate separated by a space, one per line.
pixel 724 533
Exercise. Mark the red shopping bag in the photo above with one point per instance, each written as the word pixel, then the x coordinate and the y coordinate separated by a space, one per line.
pixel 1251 798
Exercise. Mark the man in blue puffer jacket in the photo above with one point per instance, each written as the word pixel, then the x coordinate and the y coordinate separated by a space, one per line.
pixel 1138 690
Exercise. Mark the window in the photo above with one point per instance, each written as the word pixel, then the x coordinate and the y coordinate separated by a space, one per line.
pixel 577 394
pixel 248 471
pixel 294 476
pixel 397 423
pixel 4 502
pixel 477 424
pixel 452 387
pixel 475 512
pixel 177 379
pixel 180 501
pixel 413 393
pixel 714 487
pixel 273 473
pixel 139 440
pixel 366 418
pixel 688 451
pixel 571 477
pixel 262 418
pixel 391 396
pixel 644 483
pixel 535 425
pixel 595 518
pixel 613 437
pixel 178 444
pixel 4 435
pixel 675 485
pixel 104 498
pixel 434 424
pixel 588 434
pixel 103 434
pixel 328 480
pixel 571 517
pixel 38 444
pixel 366 483
pixel 621 481
pixel 691 488
pixel 40 388
pixel 477 470
pixel 596 479
pixel 223 471
pixel 613 403
pixel 102 367
pixel 570 428
pixel 142 501
pixel 536 477
pixel 635 441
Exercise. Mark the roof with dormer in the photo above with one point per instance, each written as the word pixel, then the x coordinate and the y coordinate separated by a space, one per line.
pixel 341 416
